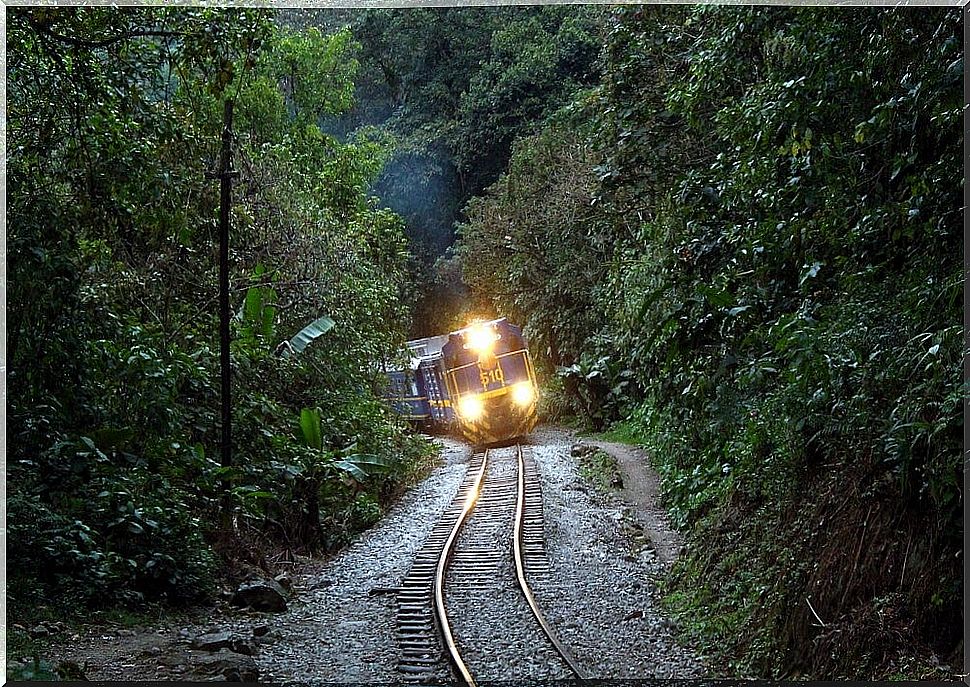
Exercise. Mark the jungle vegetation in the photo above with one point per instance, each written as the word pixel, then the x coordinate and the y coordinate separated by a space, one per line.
pixel 742 249
pixel 455 87
pixel 114 478
pixel 733 235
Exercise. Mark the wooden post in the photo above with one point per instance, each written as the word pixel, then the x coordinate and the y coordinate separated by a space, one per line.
pixel 225 178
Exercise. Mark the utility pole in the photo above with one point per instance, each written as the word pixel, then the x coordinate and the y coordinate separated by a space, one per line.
pixel 225 175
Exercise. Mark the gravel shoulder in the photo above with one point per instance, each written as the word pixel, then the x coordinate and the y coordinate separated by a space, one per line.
pixel 341 631
pixel 600 590
pixel 641 491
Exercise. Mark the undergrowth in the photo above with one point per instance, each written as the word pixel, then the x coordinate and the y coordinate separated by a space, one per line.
pixel 601 470
pixel 827 572
pixel 623 432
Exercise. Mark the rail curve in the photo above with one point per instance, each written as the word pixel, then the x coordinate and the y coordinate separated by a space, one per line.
pixel 440 611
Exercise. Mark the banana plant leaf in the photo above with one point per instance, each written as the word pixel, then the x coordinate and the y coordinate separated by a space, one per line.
pixel 253 305
pixel 318 327
pixel 258 313
pixel 361 465
pixel 310 426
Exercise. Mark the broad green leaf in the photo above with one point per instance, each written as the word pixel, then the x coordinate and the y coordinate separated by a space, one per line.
pixel 226 473
pixel 258 312
pixel 310 426
pixel 318 327
pixel 108 438
pixel 719 298
pixel 253 305
pixel 269 321
pixel 361 465
pixel 352 469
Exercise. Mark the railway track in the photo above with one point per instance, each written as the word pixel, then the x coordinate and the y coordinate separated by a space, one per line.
pixel 458 566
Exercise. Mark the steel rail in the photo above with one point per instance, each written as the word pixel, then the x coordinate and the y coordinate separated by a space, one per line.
pixel 520 573
pixel 441 614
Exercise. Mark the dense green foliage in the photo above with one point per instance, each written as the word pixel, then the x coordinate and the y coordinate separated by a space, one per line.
pixel 746 245
pixel 455 87
pixel 732 234
pixel 114 122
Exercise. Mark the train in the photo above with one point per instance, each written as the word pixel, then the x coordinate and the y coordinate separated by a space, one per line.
pixel 477 382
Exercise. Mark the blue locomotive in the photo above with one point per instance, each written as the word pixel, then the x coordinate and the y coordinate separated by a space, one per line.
pixel 478 381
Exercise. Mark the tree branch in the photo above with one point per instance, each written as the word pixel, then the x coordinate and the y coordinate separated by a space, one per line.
pixel 94 45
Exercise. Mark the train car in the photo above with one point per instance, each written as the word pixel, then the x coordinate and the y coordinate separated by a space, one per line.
pixel 490 381
pixel 406 399
pixel 478 382
pixel 415 392
pixel 430 376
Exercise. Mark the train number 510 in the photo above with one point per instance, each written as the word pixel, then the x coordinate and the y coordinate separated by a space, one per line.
pixel 491 376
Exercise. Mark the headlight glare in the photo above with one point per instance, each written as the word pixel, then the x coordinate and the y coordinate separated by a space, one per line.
pixel 471 408
pixel 523 394
pixel 480 339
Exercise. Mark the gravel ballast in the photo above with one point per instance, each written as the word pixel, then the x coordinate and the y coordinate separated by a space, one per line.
pixel 597 595
pixel 597 592
pixel 499 637
pixel 342 632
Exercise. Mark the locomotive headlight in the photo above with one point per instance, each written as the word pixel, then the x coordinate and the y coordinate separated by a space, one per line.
pixel 480 339
pixel 471 408
pixel 523 394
